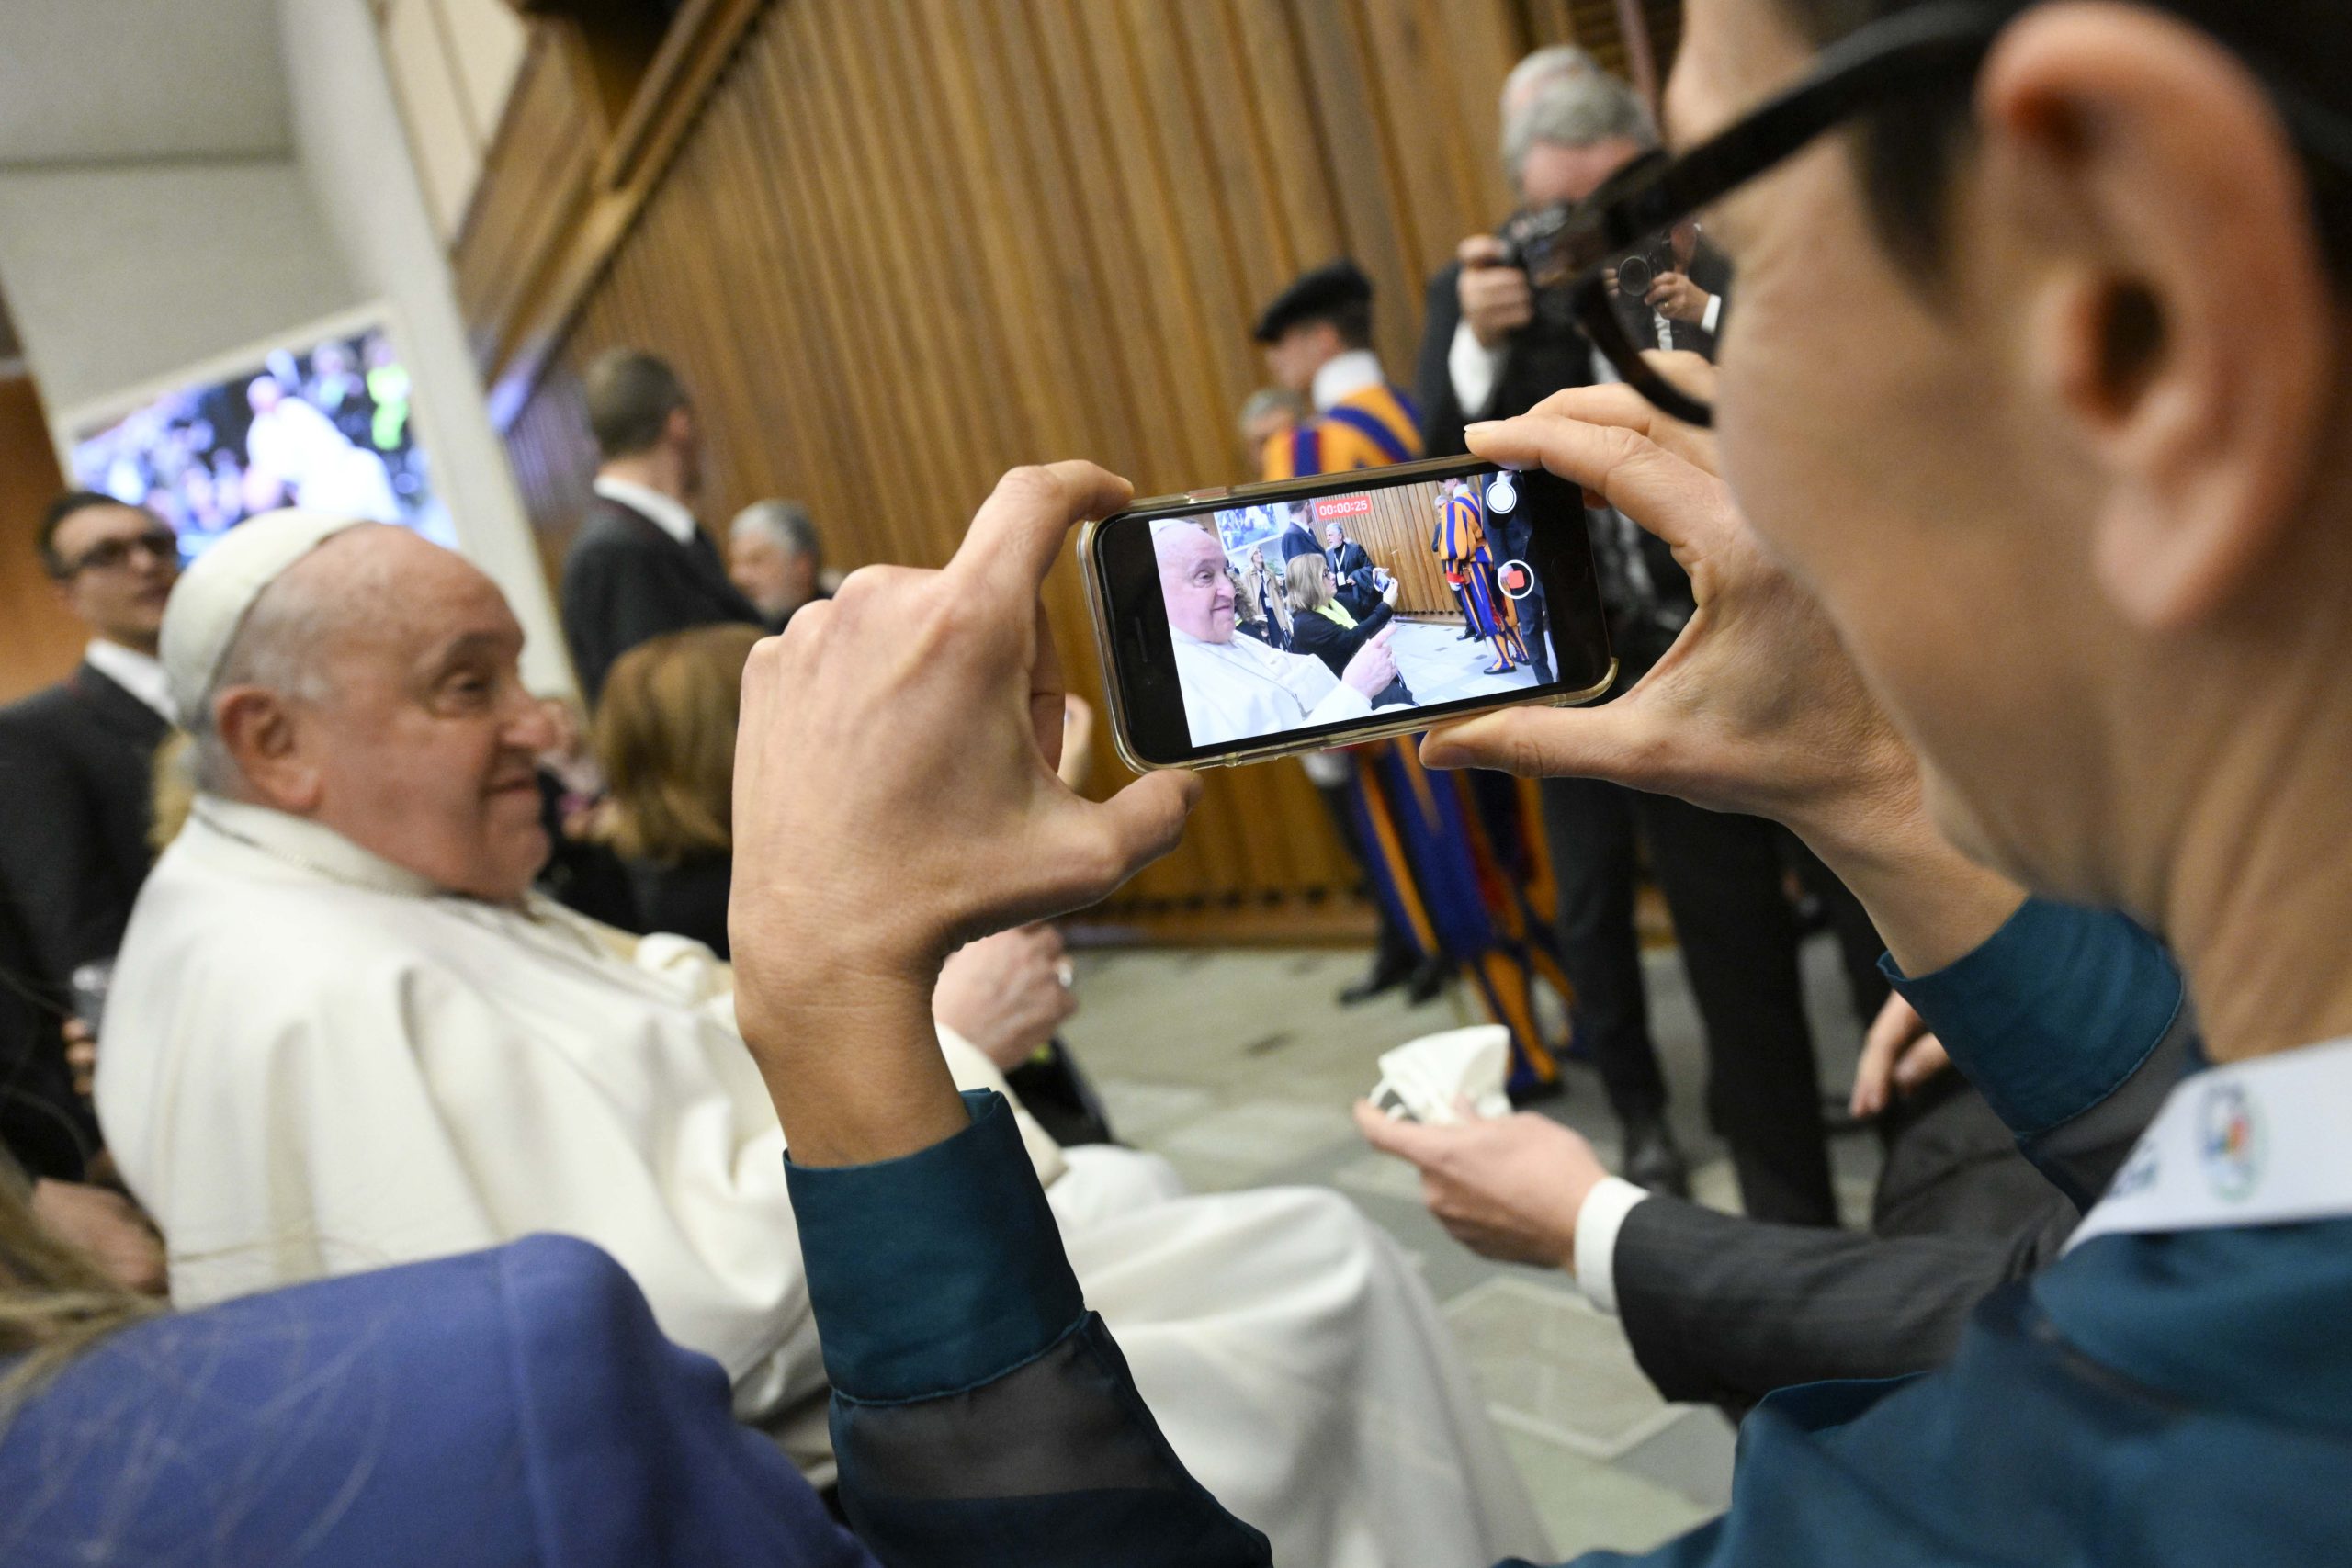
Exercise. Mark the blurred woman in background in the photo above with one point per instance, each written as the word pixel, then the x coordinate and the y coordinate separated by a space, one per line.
pixel 1323 626
pixel 665 736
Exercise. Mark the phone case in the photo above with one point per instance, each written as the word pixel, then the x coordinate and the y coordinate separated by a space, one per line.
pixel 1099 612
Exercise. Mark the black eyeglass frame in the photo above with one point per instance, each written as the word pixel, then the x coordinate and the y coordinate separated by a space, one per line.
pixel 1869 69
pixel 109 554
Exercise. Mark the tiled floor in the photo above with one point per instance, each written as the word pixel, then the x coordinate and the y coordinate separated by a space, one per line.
pixel 1239 1068
pixel 1440 667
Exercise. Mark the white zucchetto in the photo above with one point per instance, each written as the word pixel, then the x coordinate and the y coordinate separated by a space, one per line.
pixel 214 595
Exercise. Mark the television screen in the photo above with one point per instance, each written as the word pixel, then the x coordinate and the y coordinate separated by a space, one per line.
pixel 322 420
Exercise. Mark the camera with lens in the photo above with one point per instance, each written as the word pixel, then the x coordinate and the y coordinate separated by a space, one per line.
pixel 1536 240
pixel 1637 271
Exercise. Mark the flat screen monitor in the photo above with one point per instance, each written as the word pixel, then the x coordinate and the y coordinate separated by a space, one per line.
pixel 321 417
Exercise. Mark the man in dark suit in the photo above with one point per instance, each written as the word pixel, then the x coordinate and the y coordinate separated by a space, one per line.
pixel 641 565
pixel 76 760
pixel 1725 1309
pixel 1347 556
pixel 1494 348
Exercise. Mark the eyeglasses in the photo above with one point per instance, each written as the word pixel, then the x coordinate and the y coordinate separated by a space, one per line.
pixel 1871 69
pixel 161 543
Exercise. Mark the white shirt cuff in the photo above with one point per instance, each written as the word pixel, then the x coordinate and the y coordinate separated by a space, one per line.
pixel 1475 368
pixel 1714 316
pixel 1598 1222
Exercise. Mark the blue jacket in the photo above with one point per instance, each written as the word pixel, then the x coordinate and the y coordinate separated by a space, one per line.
pixel 516 1406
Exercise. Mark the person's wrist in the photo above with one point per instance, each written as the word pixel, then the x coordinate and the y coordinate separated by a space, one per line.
pixel 1930 904
pixel 852 1063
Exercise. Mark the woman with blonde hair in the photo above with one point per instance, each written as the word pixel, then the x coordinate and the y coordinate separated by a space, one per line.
pixel 1321 626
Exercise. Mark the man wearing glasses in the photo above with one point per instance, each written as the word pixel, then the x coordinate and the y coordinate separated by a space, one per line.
pixel 75 759
pixel 2023 553
pixel 1496 345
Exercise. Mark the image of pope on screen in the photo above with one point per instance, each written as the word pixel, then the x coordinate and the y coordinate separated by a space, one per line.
pixel 1301 614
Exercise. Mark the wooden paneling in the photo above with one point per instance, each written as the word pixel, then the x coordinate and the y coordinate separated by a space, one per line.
pixel 1397 536
pixel 896 249
pixel 43 639
pixel 1593 25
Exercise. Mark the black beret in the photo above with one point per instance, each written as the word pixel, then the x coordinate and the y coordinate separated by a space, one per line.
pixel 1313 295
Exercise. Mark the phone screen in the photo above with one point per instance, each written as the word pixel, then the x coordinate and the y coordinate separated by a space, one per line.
pixel 1259 621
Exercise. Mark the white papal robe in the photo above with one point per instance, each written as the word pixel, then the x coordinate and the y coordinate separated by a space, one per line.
pixel 1243 689
pixel 315 1062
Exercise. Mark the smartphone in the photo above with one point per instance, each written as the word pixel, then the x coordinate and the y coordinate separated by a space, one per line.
pixel 1241 624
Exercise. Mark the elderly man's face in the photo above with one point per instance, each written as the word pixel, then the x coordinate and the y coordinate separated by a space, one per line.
pixel 775 579
pixel 423 743
pixel 1552 173
pixel 1264 428
pixel 1192 580
pixel 1331 535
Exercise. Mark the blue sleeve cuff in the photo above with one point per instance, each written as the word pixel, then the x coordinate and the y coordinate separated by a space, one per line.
pixel 937 1273
pixel 2053 1013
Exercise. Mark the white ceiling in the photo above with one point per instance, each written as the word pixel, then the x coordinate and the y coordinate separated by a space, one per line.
pixel 102 80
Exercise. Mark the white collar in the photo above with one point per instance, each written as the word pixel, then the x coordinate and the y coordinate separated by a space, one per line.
pixel 1345 375
pixel 311 846
pixel 325 855
pixel 2258 1143
pixel 666 511
pixel 139 673
pixel 1237 649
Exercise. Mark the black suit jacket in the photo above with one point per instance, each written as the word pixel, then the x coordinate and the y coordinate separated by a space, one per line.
pixel 76 766
pixel 626 581
pixel 1335 644
pixel 49 1130
pixel 1348 559
pixel 1725 1310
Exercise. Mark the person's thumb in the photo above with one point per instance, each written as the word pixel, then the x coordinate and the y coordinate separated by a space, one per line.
pixel 1134 828
pixel 1611 742
pixel 1407 1140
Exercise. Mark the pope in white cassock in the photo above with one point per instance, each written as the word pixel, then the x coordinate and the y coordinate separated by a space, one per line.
pixel 1237 688
pixel 343 1035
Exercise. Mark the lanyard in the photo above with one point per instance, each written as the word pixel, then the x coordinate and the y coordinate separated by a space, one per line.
pixel 2260 1143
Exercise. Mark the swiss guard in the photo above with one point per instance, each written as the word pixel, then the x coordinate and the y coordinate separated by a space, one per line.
pixel 1453 865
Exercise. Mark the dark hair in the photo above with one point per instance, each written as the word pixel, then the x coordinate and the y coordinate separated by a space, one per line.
pixel 72 503
pixel 1353 322
pixel 1908 152
pixel 632 395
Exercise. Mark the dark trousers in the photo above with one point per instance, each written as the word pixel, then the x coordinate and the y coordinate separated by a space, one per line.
pixel 1395 949
pixel 1859 945
pixel 1722 878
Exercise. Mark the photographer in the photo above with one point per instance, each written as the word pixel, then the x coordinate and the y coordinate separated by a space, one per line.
pixel 1495 347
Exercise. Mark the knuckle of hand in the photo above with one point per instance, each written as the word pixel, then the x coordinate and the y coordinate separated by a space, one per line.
pixel 1029 485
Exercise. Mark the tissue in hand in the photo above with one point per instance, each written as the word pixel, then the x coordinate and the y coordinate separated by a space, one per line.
pixel 1422 1080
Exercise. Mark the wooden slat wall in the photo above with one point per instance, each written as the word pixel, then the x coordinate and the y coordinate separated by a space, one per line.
pixel 43 640
pixel 1593 24
pixel 908 245
pixel 1397 536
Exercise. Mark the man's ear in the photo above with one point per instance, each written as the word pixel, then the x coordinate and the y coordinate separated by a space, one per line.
pixel 259 730
pixel 678 430
pixel 2184 325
